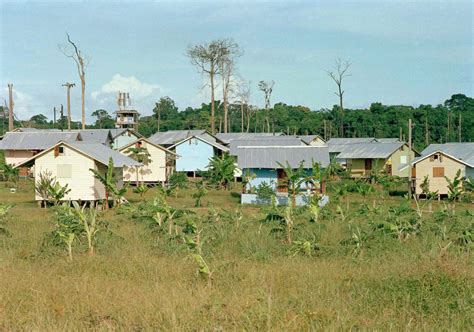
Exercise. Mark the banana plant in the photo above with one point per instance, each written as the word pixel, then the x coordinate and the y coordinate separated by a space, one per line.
pixel 110 183
pixel 4 209
pixel 90 221
pixel 289 223
pixel 294 178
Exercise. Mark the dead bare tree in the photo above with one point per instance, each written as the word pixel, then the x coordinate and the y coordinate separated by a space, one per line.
pixel 243 97
pixel 206 58
pixel 73 52
pixel 267 88
pixel 337 74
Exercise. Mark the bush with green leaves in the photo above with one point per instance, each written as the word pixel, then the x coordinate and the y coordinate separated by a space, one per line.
pixel 200 192
pixel 265 191
pixel 49 189
pixel 455 189
pixel 9 173
pixel 221 170
pixel 177 181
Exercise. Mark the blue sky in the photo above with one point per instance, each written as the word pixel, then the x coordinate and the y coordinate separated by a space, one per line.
pixel 404 52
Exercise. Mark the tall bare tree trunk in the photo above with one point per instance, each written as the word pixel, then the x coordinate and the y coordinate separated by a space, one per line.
pixel 213 128
pixel 83 100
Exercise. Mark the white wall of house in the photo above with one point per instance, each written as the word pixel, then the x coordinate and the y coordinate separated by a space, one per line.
pixel 436 169
pixel 155 171
pixel 14 157
pixel 72 168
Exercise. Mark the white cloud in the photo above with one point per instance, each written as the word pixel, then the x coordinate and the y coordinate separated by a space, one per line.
pixel 143 95
pixel 24 105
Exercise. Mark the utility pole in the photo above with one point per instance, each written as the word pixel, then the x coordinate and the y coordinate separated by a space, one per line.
pixel 401 134
pixel 409 158
pixel 459 128
pixel 10 107
pixel 54 118
pixel 68 87
pixel 62 117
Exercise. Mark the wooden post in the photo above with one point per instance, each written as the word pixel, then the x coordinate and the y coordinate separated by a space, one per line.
pixel 409 157
pixel 10 107
pixel 68 87
pixel 459 128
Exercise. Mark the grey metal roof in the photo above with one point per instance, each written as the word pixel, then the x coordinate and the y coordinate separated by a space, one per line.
pixel 102 153
pixel 171 137
pixel 205 140
pixel 36 140
pixel 388 140
pixel 338 144
pixel 373 150
pixel 265 141
pixel 350 140
pixel 227 137
pixel 270 156
pixel 102 136
pixel 461 151
pixel 119 131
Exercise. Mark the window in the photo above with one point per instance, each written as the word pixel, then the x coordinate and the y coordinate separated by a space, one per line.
pixel 438 172
pixel 64 171
pixel 61 150
pixel 403 160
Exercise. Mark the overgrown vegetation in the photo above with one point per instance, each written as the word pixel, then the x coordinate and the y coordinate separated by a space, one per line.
pixel 375 258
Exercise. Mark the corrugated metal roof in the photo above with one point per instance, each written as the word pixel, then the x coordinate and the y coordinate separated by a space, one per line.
pixel 373 150
pixel 227 137
pixel 265 141
pixel 119 131
pixel 36 140
pixel 388 140
pixel 205 140
pixel 270 156
pixel 102 153
pixel 171 137
pixel 461 151
pixel 350 140
pixel 88 135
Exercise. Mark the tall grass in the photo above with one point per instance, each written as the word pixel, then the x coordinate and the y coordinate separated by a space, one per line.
pixel 140 278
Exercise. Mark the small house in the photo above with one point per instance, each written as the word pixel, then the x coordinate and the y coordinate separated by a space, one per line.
pixel 70 163
pixel 159 167
pixel 440 161
pixel 314 140
pixel 171 137
pixel 22 145
pixel 262 163
pixel 123 136
pixel 363 158
pixel 195 152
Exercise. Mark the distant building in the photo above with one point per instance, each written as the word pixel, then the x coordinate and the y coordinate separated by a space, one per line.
pixel 126 117
pixel 20 146
pixel 263 164
pixel 439 161
pixel 362 158
pixel 194 154
pixel 158 169
pixel 70 163
pixel 314 140
pixel 171 137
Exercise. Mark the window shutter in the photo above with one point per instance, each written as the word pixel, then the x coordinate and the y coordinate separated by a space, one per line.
pixel 56 151
pixel 438 172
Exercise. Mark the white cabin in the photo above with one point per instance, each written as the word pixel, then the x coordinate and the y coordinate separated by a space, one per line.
pixel 159 168
pixel 70 163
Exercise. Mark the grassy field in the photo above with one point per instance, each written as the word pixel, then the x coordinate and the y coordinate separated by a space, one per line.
pixel 354 276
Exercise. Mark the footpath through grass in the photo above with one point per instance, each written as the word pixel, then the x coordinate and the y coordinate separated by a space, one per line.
pixel 369 262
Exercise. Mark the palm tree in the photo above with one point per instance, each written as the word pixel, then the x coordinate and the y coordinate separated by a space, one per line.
pixel 294 177
pixel 107 179
pixel 141 155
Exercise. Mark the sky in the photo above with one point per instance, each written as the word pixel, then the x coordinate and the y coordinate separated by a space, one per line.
pixel 402 52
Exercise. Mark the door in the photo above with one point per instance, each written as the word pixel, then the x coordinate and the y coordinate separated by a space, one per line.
pixel 368 164
pixel 282 183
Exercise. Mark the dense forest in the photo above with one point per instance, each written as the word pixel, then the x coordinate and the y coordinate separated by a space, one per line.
pixel 451 122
